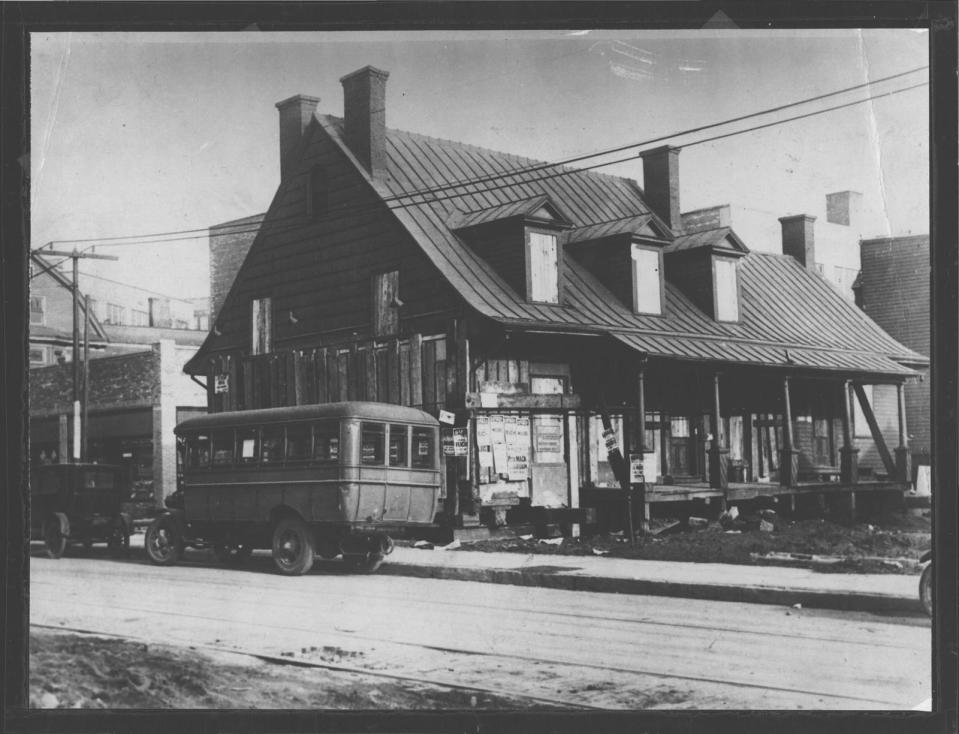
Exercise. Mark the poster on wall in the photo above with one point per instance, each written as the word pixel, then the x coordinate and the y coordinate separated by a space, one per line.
pixel 484 444
pixel 517 437
pixel 460 442
pixel 497 429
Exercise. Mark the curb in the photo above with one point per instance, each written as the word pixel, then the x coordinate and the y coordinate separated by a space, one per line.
pixel 856 601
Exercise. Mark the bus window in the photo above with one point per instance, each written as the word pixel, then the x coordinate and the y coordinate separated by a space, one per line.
pixel 272 447
pixel 372 443
pixel 198 451
pixel 398 445
pixel 248 445
pixel 423 448
pixel 223 448
pixel 326 446
pixel 298 442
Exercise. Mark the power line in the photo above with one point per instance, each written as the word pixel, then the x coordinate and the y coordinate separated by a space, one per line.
pixel 430 192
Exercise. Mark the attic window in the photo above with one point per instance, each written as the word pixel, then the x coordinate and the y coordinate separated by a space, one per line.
pixel 726 289
pixel 318 193
pixel 261 319
pixel 647 280
pixel 37 310
pixel 542 268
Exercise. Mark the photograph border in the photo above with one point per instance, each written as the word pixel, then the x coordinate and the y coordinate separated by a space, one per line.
pixel 21 19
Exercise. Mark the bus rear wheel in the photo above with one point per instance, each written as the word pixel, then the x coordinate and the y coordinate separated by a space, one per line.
pixel 293 551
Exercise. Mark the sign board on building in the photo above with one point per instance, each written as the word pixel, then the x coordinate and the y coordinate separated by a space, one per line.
pixel 446 441
pixel 460 442
pixel 221 384
pixel 637 471
pixel 447 417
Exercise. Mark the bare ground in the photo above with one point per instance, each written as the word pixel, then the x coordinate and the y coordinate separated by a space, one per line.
pixel 862 547
pixel 79 671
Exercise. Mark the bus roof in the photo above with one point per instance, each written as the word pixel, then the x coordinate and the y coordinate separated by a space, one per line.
pixel 385 412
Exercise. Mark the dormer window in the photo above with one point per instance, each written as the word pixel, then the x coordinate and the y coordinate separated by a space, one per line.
pixel 647 280
pixel 542 267
pixel 725 289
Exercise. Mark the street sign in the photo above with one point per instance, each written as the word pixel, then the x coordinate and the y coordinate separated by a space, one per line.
pixel 637 473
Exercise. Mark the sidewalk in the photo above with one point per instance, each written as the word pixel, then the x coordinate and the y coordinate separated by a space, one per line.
pixel 720 582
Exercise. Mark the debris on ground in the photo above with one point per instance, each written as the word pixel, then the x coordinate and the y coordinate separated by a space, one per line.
pixel 452 546
pixel 423 545
pixel 741 538
pixel 695 523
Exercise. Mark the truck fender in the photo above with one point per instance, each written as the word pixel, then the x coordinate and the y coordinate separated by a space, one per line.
pixel 64 523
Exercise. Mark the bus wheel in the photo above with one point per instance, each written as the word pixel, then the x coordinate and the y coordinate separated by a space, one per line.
pixel 163 543
pixel 232 555
pixel 364 562
pixel 292 546
pixel 55 535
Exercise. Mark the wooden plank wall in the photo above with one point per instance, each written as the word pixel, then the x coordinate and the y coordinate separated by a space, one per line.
pixel 409 371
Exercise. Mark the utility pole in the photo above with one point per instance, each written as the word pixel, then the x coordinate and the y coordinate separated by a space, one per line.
pixel 76 255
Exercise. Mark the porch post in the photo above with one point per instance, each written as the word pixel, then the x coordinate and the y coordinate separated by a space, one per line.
pixel 849 454
pixel 718 469
pixel 641 443
pixel 789 462
pixel 902 451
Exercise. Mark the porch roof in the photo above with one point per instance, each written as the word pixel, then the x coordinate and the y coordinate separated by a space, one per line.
pixel 742 352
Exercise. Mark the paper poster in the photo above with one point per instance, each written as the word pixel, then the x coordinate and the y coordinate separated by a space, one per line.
pixel 497 430
pixel 637 470
pixel 500 458
pixel 460 440
pixel 518 467
pixel 522 433
pixel 482 431
pixel 488 400
pixel 447 417
pixel 446 439
pixel 485 455
pixel 509 429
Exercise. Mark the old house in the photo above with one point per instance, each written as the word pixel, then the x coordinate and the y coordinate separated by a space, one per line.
pixel 528 299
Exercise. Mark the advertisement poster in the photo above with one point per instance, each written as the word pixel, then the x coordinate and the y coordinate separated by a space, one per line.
pixel 484 442
pixel 460 441
pixel 446 439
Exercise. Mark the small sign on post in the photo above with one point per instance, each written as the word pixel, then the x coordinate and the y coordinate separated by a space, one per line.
pixel 221 384
pixel 637 471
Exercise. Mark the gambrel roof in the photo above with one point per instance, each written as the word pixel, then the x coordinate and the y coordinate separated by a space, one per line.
pixel 784 306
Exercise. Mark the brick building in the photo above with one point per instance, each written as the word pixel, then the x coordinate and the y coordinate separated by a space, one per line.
pixel 893 288
pixel 536 302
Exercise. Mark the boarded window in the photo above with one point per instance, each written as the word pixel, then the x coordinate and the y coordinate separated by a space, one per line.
pixel 386 316
pixel 261 318
pixel 548 385
pixel 318 198
pixel 37 308
pixel 543 268
pixel 647 281
pixel 727 292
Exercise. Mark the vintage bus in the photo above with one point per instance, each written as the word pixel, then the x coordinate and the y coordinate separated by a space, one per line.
pixel 327 480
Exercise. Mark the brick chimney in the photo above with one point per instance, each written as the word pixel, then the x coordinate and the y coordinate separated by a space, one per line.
pixel 661 184
pixel 799 240
pixel 844 207
pixel 364 115
pixel 295 114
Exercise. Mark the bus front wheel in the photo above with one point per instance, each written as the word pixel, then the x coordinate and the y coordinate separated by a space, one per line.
pixel 293 551
pixel 163 542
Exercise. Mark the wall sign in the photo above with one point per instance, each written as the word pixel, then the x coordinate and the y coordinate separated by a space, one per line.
pixel 221 384
pixel 460 442
pixel 447 417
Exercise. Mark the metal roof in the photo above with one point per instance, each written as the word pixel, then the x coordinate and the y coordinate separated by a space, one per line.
pixel 719 237
pixel 783 305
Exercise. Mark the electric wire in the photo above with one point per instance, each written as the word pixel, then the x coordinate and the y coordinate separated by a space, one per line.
pixel 350 210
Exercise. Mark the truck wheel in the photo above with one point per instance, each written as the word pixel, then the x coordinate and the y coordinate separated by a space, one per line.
pixel 292 546
pixel 232 555
pixel 163 542
pixel 54 535
pixel 925 589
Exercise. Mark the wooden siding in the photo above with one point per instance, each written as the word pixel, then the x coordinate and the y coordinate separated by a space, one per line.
pixel 410 371
pixel 320 270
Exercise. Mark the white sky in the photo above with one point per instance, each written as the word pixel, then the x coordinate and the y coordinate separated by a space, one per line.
pixel 145 133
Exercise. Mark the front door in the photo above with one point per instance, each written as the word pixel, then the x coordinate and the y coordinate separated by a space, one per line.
pixel 549 472
pixel 682 448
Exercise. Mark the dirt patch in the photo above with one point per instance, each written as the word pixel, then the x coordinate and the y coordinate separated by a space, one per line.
pixel 861 546
pixel 78 671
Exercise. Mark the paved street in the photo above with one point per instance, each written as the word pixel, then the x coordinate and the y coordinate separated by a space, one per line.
pixel 578 648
